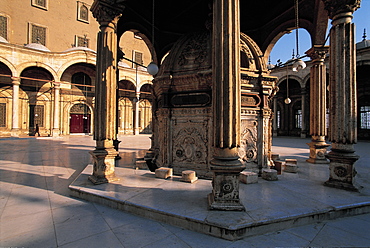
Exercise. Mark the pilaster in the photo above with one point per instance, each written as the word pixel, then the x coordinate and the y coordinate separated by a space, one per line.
pixel 318 145
pixel 107 13
pixel 15 107
pixel 342 92
pixel 225 164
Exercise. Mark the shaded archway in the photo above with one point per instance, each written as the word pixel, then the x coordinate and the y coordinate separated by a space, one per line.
pixel 363 92
pixel 289 116
pixel 36 83
pixel 126 98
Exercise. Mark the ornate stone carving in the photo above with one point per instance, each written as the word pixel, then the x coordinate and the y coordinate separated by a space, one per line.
pixel 318 52
pixel 250 100
pixel 106 10
pixel 248 145
pixel 190 146
pixel 335 7
pixel 195 52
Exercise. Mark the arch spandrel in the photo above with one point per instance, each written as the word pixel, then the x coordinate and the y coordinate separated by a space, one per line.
pixel 10 66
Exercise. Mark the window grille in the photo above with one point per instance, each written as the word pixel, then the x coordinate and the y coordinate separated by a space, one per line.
pixel 82 12
pixel 40 3
pixel 278 119
pixel 365 117
pixel 2 114
pixel 327 118
pixel 81 41
pixel 38 34
pixel 298 118
pixel 39 115
pixel 138 58
pixel 4 27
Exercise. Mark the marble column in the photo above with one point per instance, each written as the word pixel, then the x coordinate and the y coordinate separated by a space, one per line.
pixel 225 164
pixel 275 120
pixel 56 119
pixel 303 109
pixel 105 93
pixel 136 106
pixel 15 107
pixel 318 145
pixel 342 93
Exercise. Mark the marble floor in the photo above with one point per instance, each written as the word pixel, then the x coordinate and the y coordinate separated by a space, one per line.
pixel 36 209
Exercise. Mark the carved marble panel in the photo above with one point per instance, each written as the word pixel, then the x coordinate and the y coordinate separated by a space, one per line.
pixel 190 148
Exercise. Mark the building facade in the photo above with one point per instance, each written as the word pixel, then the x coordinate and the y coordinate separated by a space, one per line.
pixel 293 119
pixel 48 70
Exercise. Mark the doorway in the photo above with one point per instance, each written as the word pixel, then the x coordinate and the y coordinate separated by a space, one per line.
pixel 80 119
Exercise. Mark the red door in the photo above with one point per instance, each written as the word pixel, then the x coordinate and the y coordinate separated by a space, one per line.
pixel 79 123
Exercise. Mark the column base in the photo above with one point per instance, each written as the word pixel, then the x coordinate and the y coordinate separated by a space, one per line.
pixel 340 185
pixel 104 163
pixel 56 132
pixel 342 168
pixel 226 169
pixel 14 132
pixel 318 152
pixel 224 205
pixel 100 180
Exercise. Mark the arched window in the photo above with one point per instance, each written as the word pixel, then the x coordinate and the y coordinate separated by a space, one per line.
pixel 84 13
pixel 365 117
pixel 83 80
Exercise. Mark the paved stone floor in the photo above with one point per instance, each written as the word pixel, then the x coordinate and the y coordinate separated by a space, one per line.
pixel 37 211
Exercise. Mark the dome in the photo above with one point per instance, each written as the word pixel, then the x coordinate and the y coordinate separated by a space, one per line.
pixel 191 53
pixel 188 66
pixel 2 39
pixel 363 44
pixel 38 46
pixel 79 49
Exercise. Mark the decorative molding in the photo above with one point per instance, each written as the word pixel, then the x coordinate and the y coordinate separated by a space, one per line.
pixel 318 52
pixel 248 146
pixel 190 145
pixel 335 7
pixel 107 10
pixel 195 52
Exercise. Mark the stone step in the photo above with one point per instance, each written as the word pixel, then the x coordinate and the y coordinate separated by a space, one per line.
pixel 248 177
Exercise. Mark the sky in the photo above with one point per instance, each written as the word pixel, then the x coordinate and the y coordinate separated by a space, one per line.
pixel 283 49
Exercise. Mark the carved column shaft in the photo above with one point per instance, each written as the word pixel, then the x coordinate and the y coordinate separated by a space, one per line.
pixel 56 109
pixel 106 83
pixel 226 106
pixel 318 145
pixel 107 14
pixel 15 107
pixel 343 109
pixel 226 73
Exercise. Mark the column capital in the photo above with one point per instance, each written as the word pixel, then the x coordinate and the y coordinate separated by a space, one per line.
pixel 106 11
pixel 318 52
pixel 16 80
pixel 56 85
pixel 335 7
